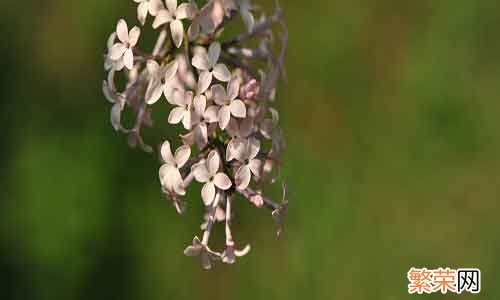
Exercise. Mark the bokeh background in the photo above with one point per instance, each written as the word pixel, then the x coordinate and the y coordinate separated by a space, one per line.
pixel 391 112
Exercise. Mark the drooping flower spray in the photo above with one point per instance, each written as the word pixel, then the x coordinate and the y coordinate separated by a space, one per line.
pixel 220 90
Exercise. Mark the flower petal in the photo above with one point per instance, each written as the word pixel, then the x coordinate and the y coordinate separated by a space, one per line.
pixel 154 92
pixel 128 59
pixel 201 135
pixel 204 81
pixel 193 31
pixel 222 181
pixel 200 61
pixel 152 67
pixel 162 17
pixel 200 103
pixel 116 52
pixel 176 115
pixel 219 94
pixel 182 155
pixel 122 31
pixel 116 112
pixel 200 172
pixel 233 88
pixel 224 116
pixel 246 127
pixel 221 72
pixel 238 109
pixel 166 153
pixel 171 70
pixel 155 6
pixel 210 114
pixel 255 166
pixel 213 53
pixel 242 177
pixel 208 193
pixel 142 12
pixel 135 33
pixel 177 30
pixel 184 11
pixel 253 148
pixel 187 120
pixel 213 162
pixel 192 251
pixel 171 5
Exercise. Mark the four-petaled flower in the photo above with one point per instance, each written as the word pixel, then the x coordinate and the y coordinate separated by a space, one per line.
pixel 250 165
pixel 145 6
pixel 207 172
pixel 160 76
pixel 202 117
pixel 239 132
pixel 173 14
pixel 184 110
pixel 122 51
pixel 208 66
pixel 207 255
pixel 170 175
pixel 228 103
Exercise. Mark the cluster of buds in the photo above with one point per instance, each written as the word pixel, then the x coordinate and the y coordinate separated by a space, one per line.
pixel 220 91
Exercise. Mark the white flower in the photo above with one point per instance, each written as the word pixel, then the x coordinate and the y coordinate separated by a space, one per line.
pixel 239 132
pixel 228 103
pixel 208 66
pixel 207 172
pixel 145 6
pixel 246 14
pixel 173 14
pixel 230 253
pixel 250 165
pixel 201 117
pixel 170 176
pixel 111 63
pixel 183 111
pixel 123 51
pixel 160 78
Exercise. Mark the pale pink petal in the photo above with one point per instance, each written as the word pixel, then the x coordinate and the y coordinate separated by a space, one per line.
pixel 200 61
pixel 213 162
pixel 208 193
pixel 193 31
pixel 210 114
pixel 116 112
pixel 177 97
pixel 166 153
pixel 200 172
pixel 171 70
pixel 182 155
pixel 135 33
pixel 177 30
pixel 222 181
pixel 233 88
pixel 187 119
pixel 224 116
pixel 253 148
pixel 176 115
pixel 233 128
pixel 171 5
pixel 192 251
pixel 185 10
pixel 152 67
pixel 242 177
pixel 219 94
pixel 200 103
pixel 154 92
pixel 162 17
pixel 213 53
pixel 255 166
pixel 221 72
pixel 142 12
pixel 177 182
pixel 204 81
pixel 128 59
pixel 155 6
pixel 188 138
pixel 242 252
pixel 246 127
pixel 238 109
pixel 122 31
pixel 201 135
pixel 116 52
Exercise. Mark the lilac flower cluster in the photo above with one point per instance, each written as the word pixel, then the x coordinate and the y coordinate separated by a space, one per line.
pixel 220 91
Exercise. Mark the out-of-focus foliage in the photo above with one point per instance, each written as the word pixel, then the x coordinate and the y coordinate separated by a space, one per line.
pixel 391 114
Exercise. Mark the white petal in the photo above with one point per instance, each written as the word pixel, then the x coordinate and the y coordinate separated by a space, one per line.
pixel 142 12
pixel 162 17
pixel 255 166
pixel 200 61
pixel 213 162
pixel 171 5
pixel 222 181
pixel 192 251
pixel 185 10
pixel 201 135
pixel 238 109
pixel 242 177
pixel 204 81
pixel 253 148
pixel 219 94
pixel 122 31
pixel 166 153
pixel 171 70
pixel 233 128
pixel 182 155
pixel 135 33
pixel 208 193
pixel 111 40
pixel 154 92
pixel 201 173
pixel 152 67
pixel 177 97
pixel 116 112
pixel 224 116
pixel 176 115
pixel 128 59
pixel 193 31
pixel 155 6
pixel 221 72
pixel 116 52
pixel 246 127
pixel 187 119
pixel 177 182
pixel 200 103
pixel 213 53
pixel 210 114
pixel 177 30
pixel 233 88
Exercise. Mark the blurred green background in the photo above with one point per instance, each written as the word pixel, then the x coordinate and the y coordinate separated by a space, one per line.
pixel 391 113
